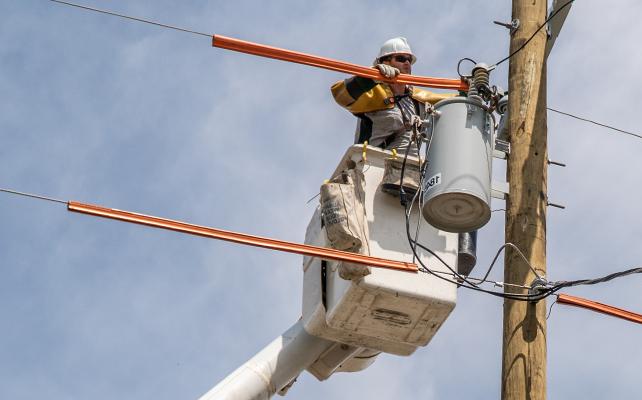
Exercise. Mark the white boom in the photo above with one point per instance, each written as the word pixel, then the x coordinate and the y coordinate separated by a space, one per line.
pixel 273 368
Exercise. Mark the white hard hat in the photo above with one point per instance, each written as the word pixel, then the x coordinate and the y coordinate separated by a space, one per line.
pixel 398 45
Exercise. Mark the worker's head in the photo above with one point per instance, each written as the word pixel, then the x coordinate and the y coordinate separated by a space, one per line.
pixel 397 53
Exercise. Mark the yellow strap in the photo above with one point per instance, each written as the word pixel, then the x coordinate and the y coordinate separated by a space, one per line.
pixel 363 154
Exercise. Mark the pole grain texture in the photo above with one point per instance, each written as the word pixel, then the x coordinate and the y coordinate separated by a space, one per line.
pixel 524 327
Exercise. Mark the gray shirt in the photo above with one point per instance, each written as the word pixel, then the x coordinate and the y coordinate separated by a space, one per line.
pixel 391 126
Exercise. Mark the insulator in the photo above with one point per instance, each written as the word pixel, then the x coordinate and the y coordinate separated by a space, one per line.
pixel 473 93
pixel 480 85
pixel 481 80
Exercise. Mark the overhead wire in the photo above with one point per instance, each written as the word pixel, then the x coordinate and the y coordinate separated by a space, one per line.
pixel 147 21
pixel 34 196
pixel 519 252
pixel 276 53
pixel 209 35
pixel 639 136
pixel 535 293
pixel 263 242
pixel 582 282
pixel 225 235
pixel 465 282
pixel 532 36
pixel 544 292
pixel 218 38
pixel 462 281
pixel 539 293
pixel 550 309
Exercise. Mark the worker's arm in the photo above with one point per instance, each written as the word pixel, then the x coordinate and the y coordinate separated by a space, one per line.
pixel 359 95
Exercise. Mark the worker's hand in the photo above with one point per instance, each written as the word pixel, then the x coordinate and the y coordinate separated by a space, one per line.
pixel 387 70
pixel 415 121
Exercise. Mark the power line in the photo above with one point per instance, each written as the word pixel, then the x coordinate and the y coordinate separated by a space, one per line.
pixel 34 196
pixel 533 35
pixel 295 56
pixel 540 293
pixel 548 291
pixel 599 307
pixel 595 122
pixel 537 292
pixel 147 21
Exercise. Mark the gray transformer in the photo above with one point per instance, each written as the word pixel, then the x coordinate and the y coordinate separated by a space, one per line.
pixel 457 180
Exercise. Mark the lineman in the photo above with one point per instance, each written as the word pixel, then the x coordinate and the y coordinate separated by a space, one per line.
pixel 386 112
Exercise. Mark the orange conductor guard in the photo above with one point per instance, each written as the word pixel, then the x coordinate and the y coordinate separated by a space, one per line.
pixel 599 307
pixel 280 245
pixel 256 49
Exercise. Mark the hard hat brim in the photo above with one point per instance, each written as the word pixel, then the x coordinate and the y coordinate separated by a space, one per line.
pixel 392 53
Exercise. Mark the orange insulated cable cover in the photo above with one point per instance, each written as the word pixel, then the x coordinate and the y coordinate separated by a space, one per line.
pixel 599 307
pixel 241 238
pixel 243 46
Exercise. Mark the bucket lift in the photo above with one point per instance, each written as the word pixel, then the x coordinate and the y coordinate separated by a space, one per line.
pixel 346 323
pixel 388 311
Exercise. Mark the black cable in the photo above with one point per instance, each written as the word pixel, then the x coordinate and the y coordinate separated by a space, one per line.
pixel 518 297
pixel 408 207
pixel 550 309
pixel 464 282
pixel 546 292
pixel 543 293
pixel 459 64
pixel 414 243
pixel 533 35
pixel 594 122
pixel 563 284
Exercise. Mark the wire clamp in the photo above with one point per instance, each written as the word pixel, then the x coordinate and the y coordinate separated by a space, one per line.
pixel 538 286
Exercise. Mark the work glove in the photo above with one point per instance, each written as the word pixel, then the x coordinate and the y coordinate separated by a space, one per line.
pixel 414 121
pixel 387 70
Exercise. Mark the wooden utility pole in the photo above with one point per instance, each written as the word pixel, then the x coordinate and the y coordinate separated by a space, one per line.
pixel 524 342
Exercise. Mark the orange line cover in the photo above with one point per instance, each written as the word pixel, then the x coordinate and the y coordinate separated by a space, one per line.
pixel 280 245
pixel 256 49
pixel 599 307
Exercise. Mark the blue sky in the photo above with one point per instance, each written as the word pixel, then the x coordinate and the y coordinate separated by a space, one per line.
pixel 135 117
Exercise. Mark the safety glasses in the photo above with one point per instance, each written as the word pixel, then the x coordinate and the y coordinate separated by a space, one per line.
pixel 402 59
